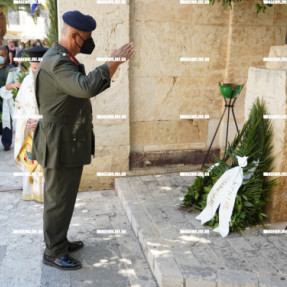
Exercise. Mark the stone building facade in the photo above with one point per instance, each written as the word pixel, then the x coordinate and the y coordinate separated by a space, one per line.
pixel 154 88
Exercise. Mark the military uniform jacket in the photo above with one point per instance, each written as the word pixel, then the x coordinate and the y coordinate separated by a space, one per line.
pixel 64 136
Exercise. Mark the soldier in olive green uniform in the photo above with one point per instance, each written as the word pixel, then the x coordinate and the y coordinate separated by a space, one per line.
pixel 64 138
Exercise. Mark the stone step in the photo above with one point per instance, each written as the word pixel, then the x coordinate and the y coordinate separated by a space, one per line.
pixel 163 170
pixel 151 203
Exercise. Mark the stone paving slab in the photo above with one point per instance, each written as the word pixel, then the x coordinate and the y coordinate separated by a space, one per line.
pixel 108 259
pixel 177 259
pixel 7 167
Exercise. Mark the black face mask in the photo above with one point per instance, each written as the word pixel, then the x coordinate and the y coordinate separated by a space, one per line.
pixel 88 45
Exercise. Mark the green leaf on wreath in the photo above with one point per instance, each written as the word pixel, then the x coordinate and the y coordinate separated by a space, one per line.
pixel 255 141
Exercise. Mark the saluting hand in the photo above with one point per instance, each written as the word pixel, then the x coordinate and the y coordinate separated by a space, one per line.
pixel 123 52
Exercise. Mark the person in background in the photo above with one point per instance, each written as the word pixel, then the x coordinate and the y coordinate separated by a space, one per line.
pixel 12 53
pixel 4 70
pixel 38 43
pixel 26 114
pixel 12 82
pixel 45 43
pixel 28 44
pixel 16 43
pixel 8 61
pixel 21 50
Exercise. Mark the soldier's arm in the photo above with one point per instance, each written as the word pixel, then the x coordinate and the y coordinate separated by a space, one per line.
pixel 74 83
pixel 123 53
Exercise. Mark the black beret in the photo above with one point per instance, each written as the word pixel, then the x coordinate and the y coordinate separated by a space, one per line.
pixel 79 21
pixel 36 53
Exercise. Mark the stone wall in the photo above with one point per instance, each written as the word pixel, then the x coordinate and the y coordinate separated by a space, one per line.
pixel 270 84
pixel 250 39
pixel 155 87
pixel 163 87
pixel 112 136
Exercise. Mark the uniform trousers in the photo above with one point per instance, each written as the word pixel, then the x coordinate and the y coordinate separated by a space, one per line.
pixel 60 192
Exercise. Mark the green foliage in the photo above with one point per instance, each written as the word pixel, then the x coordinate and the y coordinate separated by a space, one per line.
pixel 6 5
pixel 21 75
pixel 225 3
pixel 53 23
pixel 254 141
pixel 27 9
pixel 228 3
pixel 262 7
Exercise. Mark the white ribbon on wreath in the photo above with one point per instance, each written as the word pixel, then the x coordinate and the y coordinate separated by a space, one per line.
pixel 223 194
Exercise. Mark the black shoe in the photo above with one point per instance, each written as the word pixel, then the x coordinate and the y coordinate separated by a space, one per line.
pixel 6 148
pixel 65 262
pixel 75 245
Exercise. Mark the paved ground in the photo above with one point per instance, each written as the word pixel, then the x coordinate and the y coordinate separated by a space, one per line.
pixel 109 260
pixel 147 247
pixel 114 260
pixel 7 167
pixel 179 259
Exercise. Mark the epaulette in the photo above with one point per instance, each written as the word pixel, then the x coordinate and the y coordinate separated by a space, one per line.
pixel 63 53
pixel 69 56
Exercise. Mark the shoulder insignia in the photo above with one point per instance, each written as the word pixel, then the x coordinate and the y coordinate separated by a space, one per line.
pixel 63 53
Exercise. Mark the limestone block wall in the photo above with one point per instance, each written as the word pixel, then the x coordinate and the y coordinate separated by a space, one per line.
pixel 163 87
pixel 232 39
pixel 112 135
pixel 155 87
pixel 249 41
pixel 271 85
pixel 277 52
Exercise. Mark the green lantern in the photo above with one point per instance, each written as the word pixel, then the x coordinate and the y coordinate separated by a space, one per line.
pixel 230 91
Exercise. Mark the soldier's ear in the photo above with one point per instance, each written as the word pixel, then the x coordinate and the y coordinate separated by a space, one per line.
pixel 74 35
